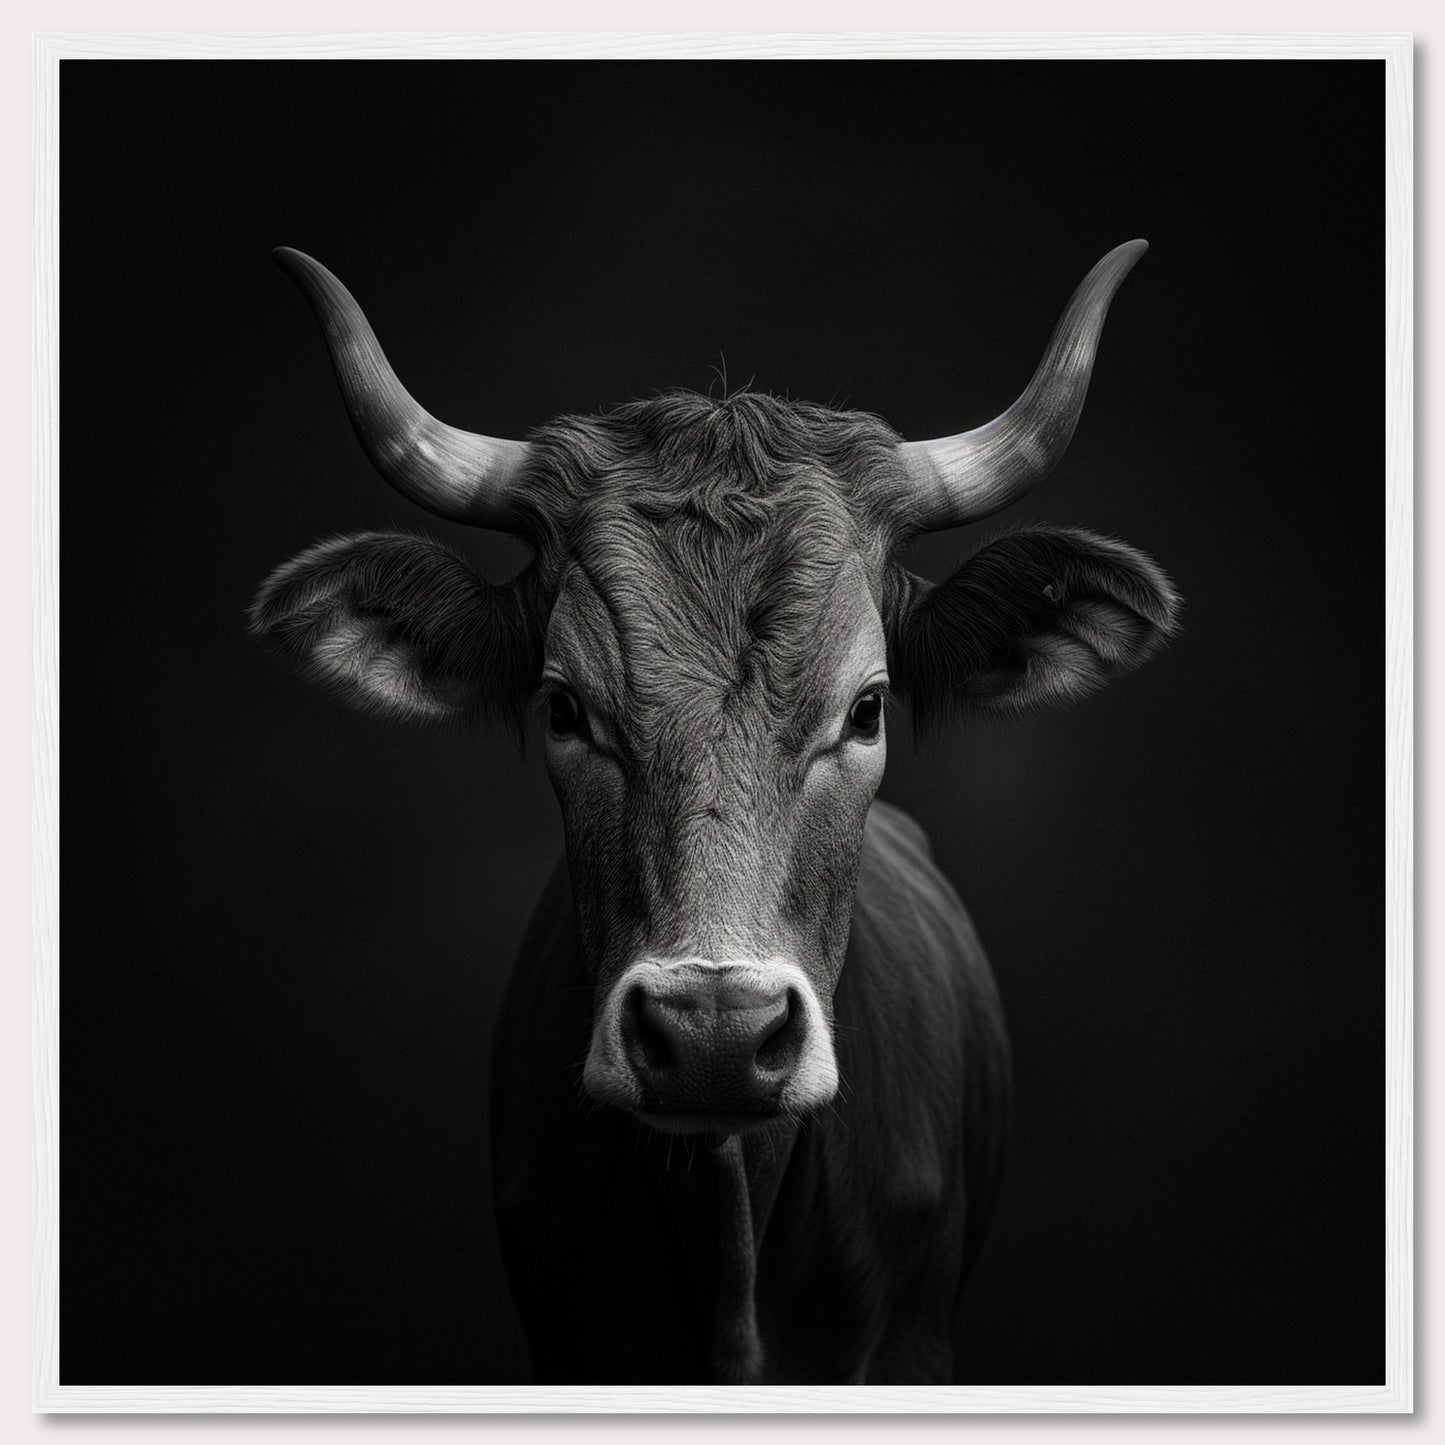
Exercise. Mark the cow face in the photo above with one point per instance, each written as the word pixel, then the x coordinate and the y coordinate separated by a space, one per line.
pixel 715 694
pixel 711 628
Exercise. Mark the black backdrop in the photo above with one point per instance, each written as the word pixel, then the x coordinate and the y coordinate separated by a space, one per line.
pixel 287 927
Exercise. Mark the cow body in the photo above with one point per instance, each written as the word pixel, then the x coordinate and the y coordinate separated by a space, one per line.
pixel 751 1080
pixel 621 1245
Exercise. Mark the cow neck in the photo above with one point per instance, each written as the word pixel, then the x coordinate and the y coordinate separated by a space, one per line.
pixel 746 1173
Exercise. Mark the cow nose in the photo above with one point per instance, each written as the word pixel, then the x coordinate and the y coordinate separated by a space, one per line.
pixel 711 1046
pixel 694 1045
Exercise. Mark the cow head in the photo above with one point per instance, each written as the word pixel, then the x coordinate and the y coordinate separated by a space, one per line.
pixel 712 627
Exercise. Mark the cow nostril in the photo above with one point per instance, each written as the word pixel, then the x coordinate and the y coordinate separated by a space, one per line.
pixel 648 1046
pixel 779 1050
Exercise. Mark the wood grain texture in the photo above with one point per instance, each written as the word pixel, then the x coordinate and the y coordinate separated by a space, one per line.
pixel 1396 1395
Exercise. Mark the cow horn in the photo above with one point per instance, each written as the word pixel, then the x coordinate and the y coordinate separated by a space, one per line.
pixel 457 474
pixel 960 478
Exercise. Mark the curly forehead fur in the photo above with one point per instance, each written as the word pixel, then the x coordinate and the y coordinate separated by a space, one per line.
pixel 716 476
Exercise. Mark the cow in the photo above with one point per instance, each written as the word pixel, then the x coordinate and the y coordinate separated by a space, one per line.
pixel 750 1080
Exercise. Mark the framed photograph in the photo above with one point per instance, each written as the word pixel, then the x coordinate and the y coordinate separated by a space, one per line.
pixel 902 519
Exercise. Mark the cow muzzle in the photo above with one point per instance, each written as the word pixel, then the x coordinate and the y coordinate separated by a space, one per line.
pixel 694 1046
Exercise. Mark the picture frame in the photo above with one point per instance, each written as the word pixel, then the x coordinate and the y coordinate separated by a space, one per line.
pixel 1394 1395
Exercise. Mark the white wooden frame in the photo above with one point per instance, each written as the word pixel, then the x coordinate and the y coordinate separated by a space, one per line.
pixel 1395 1395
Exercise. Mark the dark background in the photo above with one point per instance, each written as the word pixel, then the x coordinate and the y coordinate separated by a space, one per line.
pixel 287 927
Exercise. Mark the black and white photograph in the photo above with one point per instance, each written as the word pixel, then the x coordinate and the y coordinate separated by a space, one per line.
pixel 721 723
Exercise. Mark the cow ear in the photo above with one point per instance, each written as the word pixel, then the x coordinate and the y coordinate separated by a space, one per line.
pixel 400 626
pixel 1035 618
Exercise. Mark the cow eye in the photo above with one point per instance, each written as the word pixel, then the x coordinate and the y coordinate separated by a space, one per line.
pixel 866 714
pixel 564 714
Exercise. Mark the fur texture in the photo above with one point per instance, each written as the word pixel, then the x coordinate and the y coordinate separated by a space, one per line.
pixel 401 626
pixel 1036 617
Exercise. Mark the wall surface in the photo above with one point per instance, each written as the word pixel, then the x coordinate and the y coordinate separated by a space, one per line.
pixel 287 927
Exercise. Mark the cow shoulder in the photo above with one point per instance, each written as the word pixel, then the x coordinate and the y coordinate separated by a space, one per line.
pixel 926 1051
